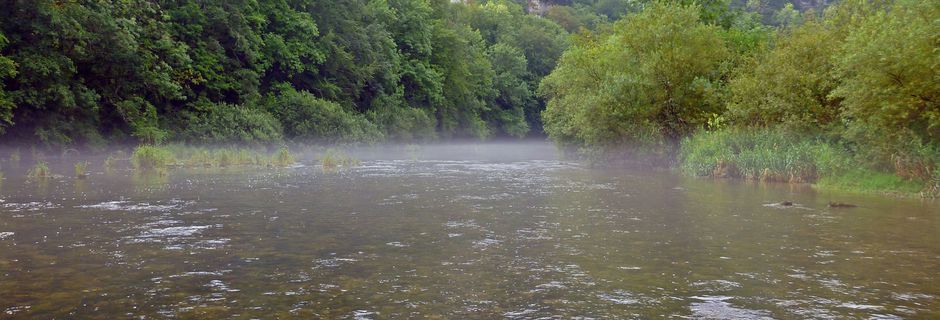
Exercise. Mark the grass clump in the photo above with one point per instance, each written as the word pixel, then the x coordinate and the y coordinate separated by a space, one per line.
pixel 333 159
pixel 282 158
pixel 149 157
pixel 81 170
pixel 39 171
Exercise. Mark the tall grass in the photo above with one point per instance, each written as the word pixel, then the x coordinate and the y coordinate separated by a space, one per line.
pixel 758 155
pixel 776 155
pixel 147 157
pixel 39 171
pixel 81 170
pixel 150 157
pixel 282 158
pixel 333 158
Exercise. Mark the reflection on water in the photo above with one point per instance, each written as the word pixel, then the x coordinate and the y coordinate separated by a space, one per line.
pixel 517 238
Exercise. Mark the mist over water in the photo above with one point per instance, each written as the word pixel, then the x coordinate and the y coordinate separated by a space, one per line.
pixel 476 230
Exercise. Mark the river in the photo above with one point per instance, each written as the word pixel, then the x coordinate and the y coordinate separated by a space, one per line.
pixel 470 231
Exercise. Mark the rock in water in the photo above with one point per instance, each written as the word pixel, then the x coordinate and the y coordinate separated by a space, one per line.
pixel 841 205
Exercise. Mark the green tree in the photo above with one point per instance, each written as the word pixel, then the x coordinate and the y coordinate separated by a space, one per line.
pixel 7 70
pixel 890 72
pixel 644 83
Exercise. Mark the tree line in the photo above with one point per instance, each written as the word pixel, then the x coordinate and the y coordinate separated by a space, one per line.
pixel 250 71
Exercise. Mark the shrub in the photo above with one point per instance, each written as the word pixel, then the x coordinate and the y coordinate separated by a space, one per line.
pixel 227 123
pixel 306 117
pixel 403 123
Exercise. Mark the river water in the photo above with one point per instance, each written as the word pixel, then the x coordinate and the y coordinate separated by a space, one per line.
pixel 457 232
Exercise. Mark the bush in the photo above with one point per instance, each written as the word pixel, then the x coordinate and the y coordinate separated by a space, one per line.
pixel 404 123
pixel 306 117
pixel 150 157
pixel 227 123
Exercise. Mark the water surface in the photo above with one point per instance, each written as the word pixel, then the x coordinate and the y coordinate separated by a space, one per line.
pixel 457 232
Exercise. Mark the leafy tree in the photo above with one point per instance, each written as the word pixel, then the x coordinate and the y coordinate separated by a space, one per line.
pixel 890 72
pixel 790 84
pixel 7 70
pixel 644 83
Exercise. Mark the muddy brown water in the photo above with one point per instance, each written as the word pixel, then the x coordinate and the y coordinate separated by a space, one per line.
pixel 457 232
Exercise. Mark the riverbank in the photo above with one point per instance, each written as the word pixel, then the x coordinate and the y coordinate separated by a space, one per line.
pixel 779 156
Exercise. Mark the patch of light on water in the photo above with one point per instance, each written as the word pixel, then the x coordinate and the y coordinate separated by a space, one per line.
pixel 716 285
pixel 619 297
pixel 718 307
pixel 29 206
pixel 186 231
pixel 485 243
pixel 364 314
pixel 172 204
pixel 397 244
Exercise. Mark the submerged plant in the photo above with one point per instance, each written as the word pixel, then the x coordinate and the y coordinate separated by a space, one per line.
pixel 81 170
pixel 150 157
pixel 39 171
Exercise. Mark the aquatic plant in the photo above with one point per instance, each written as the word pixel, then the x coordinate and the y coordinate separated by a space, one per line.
pixel 148 157
pixel 81 169
pixel 39 171
pixel 282 158
pixel 110 162
pixel 333 158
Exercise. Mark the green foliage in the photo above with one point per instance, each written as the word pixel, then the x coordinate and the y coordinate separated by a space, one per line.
pixel 647 81
pixel 889 70
pixel 791 84
pixel 149 157
pixel 215 71
pixel 766 155
pixel 283 158
pixel 308 118
pixel 7 70
pixel 110 162
pixel 226 123
pixel 39 171
pixel 869 181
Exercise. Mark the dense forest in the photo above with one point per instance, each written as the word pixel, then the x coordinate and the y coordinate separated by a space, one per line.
pixel 221 71
pixel 768 90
